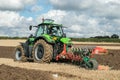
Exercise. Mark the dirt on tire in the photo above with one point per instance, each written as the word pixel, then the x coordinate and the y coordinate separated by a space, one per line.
pixel 47 53
pixel 15 73
pixel 22 54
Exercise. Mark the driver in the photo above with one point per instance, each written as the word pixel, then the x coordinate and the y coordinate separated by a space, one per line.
pixel 52 31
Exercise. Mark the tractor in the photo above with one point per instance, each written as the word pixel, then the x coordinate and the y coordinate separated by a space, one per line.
pixel 51 44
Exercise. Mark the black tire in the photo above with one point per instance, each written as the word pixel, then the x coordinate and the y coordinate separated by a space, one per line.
pixel 42 51
pixel 19 54
pixel 93 64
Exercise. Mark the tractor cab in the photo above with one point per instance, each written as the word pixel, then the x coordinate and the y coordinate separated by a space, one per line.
pixel 50 29
pixel 51 32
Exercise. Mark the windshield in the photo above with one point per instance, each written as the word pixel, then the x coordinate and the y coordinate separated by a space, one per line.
pixel 41 30
pixel 55 30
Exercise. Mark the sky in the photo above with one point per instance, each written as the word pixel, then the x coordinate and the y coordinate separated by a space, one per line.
pixel 83 18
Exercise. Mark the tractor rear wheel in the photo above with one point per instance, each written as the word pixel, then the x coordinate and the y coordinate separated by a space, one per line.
pixel 19 54
pixel 42 51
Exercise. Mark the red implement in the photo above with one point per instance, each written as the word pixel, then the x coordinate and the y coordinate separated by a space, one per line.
pixel 99 50
pixel 68 56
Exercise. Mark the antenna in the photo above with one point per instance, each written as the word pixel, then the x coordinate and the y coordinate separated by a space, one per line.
pixel 43 20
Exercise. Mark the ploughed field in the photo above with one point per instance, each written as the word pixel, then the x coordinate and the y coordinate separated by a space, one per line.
pixel 11 70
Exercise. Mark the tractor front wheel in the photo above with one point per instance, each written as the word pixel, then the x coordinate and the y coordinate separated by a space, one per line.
pixel 42 51
pixel 19 54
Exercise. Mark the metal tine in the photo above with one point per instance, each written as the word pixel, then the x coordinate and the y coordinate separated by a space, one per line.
pixel 90 50
pixel 80 50
pixel 73 49
pixel 77 50
pixel 86 49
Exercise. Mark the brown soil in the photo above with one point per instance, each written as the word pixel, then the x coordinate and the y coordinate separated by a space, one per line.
pixel 98 44
pixel 6 52
pixel 64 71
pixel 15 73
pixel 112 59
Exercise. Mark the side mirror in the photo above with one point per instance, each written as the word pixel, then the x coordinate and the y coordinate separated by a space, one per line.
pixel 64 35
pixel 30 36
pixel 30 27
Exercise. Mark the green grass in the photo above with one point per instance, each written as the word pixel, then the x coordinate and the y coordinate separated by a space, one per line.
pixel 5 37
pixel 96 40
pixel 75 39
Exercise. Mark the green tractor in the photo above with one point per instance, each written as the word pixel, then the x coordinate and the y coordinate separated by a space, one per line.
pixel 50 43
pixel 47 43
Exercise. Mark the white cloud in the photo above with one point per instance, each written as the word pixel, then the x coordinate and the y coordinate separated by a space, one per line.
pixel 81 25
pixel 87 18
pixel 9 19
pixel 12 19
pixel 84 18
pixel 29 2
pixel 13 24
pixel 11 5
pixel 56 15
pixel 15 5
pixel 99 8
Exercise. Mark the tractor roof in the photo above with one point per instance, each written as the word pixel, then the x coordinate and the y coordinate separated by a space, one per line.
pixel 49 22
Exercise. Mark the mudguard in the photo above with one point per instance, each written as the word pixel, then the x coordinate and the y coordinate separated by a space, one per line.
pixel 25 47
pixel 46 39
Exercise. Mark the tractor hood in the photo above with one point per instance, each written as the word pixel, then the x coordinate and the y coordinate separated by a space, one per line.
pixel 53 39
pixel 66 40
pixel 48 38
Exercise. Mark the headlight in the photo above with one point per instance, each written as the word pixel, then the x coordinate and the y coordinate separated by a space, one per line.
pixel 54 38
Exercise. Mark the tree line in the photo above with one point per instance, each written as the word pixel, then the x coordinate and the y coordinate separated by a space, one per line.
pixel 6 37
pixel 114 36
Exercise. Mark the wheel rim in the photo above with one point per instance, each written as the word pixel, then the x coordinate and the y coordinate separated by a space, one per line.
pixel 39 52
pixel 18 54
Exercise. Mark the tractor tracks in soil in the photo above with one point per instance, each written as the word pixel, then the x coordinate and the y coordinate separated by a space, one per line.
pixel 57 72
pixel 62 71
pixel 112 59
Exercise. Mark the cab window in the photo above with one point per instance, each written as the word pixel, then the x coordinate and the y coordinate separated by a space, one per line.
pixel 40 31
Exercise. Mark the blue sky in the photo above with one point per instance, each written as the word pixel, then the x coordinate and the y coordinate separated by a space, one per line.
pixel 84 18
pixel 43 7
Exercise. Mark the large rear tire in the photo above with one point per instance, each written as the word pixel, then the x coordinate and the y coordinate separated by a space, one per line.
pixel 19 54
pixel 42 51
